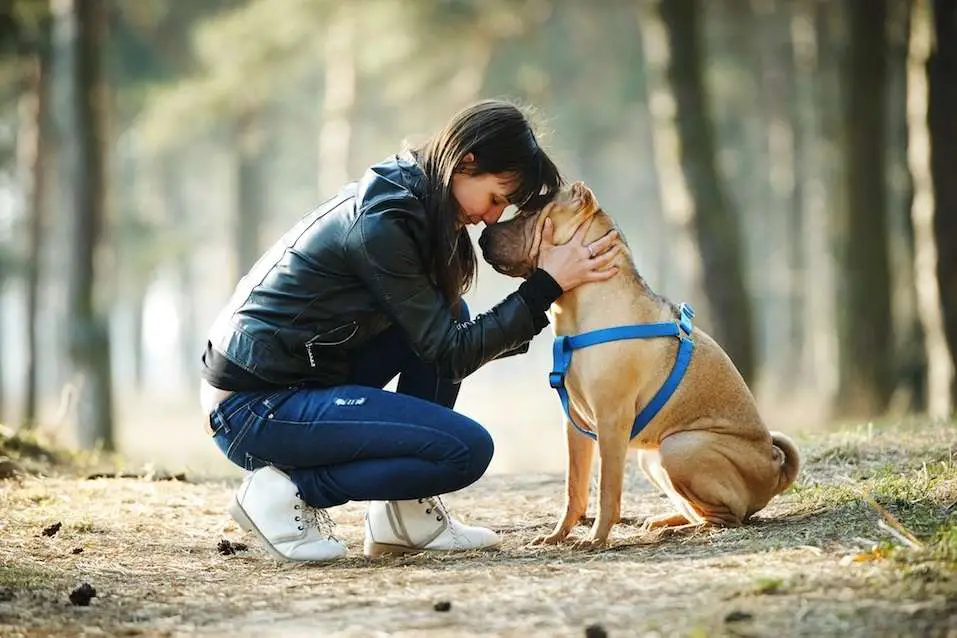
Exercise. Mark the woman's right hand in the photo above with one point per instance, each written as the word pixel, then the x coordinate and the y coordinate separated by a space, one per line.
pixel 575 262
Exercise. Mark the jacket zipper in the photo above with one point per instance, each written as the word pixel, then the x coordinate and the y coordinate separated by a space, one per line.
pixel 312 342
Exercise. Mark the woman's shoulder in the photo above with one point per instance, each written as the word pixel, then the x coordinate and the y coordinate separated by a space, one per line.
pixel 389 206
pixel 397 178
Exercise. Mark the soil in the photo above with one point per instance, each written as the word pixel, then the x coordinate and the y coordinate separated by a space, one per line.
pixel 141 556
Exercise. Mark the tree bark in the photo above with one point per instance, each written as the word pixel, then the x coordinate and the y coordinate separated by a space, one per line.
pixel 821 26
pixel 784 242
pixel 250 196
pixel 715 223
pixel 942 122
pixel 909 360
pixel 940 368
pixel 864 322
pixel 32 149
pixel 3 277
pixel 680 266
pixel 805 57
pixel 80 28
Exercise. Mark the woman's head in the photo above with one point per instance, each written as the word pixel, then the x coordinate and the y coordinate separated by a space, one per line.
pixel 485 159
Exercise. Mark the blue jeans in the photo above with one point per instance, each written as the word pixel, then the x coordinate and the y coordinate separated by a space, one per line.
pixel 358 442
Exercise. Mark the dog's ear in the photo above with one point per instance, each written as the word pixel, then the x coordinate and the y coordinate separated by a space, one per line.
pixel 587 201
pixel 585 205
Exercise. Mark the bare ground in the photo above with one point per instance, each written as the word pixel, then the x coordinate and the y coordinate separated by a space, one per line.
pixel 814 563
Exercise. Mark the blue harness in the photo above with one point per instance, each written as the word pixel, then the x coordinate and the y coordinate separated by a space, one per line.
pixel 681 328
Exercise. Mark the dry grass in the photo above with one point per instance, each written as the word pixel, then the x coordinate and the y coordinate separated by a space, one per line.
pixel 814 563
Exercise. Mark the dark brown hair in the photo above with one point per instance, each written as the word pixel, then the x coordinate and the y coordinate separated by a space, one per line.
pixel 500 137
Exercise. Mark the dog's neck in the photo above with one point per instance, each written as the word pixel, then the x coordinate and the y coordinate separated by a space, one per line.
pixel 620 300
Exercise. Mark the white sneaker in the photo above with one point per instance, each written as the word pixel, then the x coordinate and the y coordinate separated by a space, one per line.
pixel 268 504
pixel 401 527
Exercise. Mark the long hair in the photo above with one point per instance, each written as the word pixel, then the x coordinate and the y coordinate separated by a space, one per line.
pixel 500 137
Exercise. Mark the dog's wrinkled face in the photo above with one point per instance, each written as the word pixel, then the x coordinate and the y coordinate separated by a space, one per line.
pixel 512 247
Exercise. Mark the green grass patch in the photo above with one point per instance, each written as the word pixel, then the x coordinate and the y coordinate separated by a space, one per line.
pixel 770 586
pixel 921 496
pixel 84 527
pixel 22 578
pixel 943 544
pixel 34 453
pixel 28 445
pixel 816 497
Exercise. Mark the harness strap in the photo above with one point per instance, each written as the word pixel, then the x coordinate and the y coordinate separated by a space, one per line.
pixel 681 328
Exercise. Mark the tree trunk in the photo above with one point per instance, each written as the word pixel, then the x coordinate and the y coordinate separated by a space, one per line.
pixel 864 322
pixel 742 122
pixel 3 276
pixel 680 265
pixel 910 363
pixel 176 212
pixel 714 221
pixel 80 29
pixel 942 121
pixel 32 147
pixel 940 368
pixel 250 197
pixel 339 101
pixel 821 26
pixel 782 240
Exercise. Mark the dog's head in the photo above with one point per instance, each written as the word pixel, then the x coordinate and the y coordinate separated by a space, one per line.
pixel 512 247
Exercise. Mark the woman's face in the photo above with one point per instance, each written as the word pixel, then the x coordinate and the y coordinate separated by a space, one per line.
pixel 481 198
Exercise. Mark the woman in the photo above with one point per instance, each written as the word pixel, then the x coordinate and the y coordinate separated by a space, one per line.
pixel 367 287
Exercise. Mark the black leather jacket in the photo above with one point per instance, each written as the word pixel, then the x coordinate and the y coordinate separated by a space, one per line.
pixel 347 271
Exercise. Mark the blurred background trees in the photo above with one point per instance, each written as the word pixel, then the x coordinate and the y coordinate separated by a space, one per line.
pixel 786 166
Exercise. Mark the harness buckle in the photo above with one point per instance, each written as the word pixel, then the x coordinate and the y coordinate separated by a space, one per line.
pixel 556 379
pixel 685 315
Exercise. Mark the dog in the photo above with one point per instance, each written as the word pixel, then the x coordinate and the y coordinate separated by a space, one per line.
pixel 707 449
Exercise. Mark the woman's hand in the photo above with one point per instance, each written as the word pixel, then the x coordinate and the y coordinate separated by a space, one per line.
pixel 575 263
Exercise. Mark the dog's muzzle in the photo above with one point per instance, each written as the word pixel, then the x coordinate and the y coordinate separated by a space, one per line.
pixel 483 240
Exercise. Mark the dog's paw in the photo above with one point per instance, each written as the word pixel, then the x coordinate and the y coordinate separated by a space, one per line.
pixel 589 542
pixel 551 539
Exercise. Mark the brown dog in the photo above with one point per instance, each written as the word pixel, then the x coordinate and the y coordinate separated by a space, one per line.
pixel 707 449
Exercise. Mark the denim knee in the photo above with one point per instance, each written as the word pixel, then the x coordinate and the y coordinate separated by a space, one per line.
pixel 481 448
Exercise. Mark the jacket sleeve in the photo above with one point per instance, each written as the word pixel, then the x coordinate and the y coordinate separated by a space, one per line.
pixel 383 253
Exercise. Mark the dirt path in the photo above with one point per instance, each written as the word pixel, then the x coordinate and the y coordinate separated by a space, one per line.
pixel 804 568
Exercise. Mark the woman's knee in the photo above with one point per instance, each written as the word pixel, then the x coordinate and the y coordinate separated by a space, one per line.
pixel 479 449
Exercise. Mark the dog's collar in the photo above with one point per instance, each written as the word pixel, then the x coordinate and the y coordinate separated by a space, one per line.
pixel 681 328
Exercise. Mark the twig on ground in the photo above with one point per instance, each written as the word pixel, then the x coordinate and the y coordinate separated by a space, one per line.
pixel 889 524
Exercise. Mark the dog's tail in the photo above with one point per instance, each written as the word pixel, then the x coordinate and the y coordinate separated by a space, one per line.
pixel 786 453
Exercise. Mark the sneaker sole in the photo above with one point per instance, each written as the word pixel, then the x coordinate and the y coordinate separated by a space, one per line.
pixel 239 515
pixel 372 549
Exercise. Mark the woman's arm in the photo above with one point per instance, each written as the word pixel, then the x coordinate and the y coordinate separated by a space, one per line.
pixel 382 250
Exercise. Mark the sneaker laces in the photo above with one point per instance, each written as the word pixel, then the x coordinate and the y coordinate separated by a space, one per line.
pixel 315 517
pixel 438 507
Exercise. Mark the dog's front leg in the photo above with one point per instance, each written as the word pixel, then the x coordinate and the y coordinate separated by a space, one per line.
pixel 612 454
pixel 577 482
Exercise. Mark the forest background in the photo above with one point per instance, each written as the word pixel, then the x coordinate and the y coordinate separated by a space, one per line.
pixel 787 166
